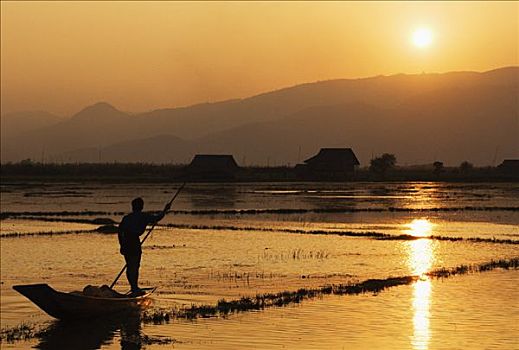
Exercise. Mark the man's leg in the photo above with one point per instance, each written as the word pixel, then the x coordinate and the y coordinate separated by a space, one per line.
pixel 137 267
pixel 132 270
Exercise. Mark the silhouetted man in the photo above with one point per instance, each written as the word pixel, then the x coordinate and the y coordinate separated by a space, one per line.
pixel 131 227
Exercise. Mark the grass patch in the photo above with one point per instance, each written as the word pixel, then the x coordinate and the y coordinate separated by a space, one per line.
pixel 224 307
pixel 12 214
pixel 109 226
pixel 45 233
pixel 262 301
pixel 23 331
pixel 16 214
pixel 365 234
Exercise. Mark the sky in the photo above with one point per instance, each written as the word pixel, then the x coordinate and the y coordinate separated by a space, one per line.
pixel 139 56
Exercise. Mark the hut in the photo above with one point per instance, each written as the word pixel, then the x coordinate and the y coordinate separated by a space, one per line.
pixel 212 166
pixel 510 167
pixel 330 163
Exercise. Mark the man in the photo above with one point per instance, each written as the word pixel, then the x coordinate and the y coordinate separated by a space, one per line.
pixel 131 228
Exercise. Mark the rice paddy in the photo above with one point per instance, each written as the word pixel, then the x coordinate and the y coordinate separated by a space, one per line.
pixel 245 256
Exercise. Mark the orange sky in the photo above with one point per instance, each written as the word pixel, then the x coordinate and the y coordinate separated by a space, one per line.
pixel 61 56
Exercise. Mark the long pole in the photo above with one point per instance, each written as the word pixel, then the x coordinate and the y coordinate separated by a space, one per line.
pixel 149 232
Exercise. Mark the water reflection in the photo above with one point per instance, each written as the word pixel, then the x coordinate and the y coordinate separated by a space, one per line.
pixel 92 334
pixel 421 257
pixel 425 195
pixel 419 228
pixel 83 335
pixel 209 197
pixel 421 304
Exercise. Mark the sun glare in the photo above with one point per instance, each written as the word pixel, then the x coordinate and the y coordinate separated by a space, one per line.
pixel 422 37
pixel 419 227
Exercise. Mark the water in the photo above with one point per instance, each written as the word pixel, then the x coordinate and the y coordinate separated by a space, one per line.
pixel 428 315
pixel 233 255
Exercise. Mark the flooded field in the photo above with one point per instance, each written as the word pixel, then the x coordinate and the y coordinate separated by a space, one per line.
pixel 233 241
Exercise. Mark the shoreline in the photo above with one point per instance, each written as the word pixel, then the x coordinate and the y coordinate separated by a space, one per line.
pixel 177 173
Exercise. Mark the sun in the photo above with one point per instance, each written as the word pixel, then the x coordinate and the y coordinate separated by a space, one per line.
pixel 422 37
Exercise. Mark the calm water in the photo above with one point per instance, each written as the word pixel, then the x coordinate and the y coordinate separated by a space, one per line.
pixel 233 256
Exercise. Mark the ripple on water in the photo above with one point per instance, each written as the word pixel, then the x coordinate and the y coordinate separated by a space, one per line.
pixel 467 312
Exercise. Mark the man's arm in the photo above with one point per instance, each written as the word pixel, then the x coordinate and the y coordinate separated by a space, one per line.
pixel 156 218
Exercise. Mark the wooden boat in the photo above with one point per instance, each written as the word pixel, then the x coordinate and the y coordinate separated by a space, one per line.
pixel 75 305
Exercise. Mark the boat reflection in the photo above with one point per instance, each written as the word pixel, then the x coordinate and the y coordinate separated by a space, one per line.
pixel 420 259
pixel 92 334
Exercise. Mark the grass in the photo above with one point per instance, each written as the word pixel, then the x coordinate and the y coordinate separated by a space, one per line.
pixel 144 339
pixel 365 234
pixel 58 194
pixel 464 269
pixel 295 254
pixel 44 233
pixel 96 221
pixel 13 214
pixel 338 210
pixel 23 331
pixel 108 226
pixel 224 307
pixel 262 301
pixel 161 247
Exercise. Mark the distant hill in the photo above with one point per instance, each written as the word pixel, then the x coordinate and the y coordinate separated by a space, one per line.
pixel 421 118
pixel 452 125
pixel 15 125
pixel 156 149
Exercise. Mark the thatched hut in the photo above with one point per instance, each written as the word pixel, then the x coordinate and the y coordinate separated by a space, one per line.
pixel 333 159
pixel 330 163
pixel 212 166
pixel 509 166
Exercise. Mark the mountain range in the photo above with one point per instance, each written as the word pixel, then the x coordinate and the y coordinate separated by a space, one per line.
pixel 421 118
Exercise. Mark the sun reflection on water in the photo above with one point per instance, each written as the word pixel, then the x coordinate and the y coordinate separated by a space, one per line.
pixel 420 259
pixel 420 256
pixel 419 228
pixel 421 304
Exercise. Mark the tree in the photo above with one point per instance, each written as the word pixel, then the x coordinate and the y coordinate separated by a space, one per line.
pixel 438 168
pixel 382 164
pixel 466 167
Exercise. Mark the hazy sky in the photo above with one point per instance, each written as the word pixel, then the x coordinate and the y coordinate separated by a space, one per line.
pixel 62 56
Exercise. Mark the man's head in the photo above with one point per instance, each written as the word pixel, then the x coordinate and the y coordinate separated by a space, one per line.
pixel 137 204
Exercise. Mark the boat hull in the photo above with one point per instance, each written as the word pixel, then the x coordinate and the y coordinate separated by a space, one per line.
pixel 67 306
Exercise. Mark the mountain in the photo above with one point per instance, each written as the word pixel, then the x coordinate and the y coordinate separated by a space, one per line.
pixel 97 125
pixel 17 123
pixel 421 118
pixel 451 125
pixel 382 91
pixel 14 125
pixel 156 149
pixel 101 112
